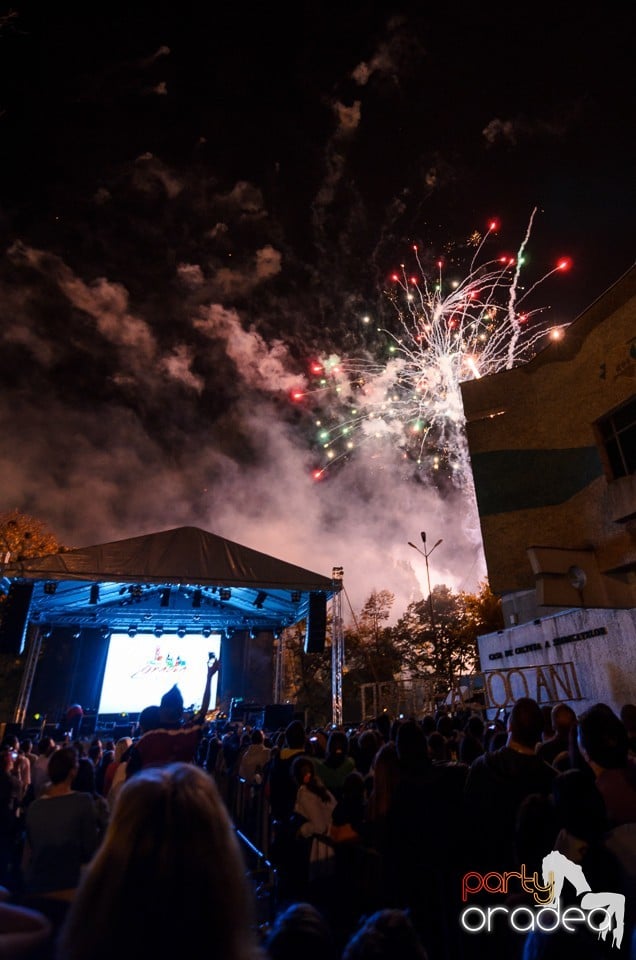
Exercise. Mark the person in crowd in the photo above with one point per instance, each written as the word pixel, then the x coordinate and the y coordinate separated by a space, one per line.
pixel 24 934
pixel 108 755
pixel 385 777
pixel 385 935
pixel 313 810
pixel 60 830
pixel 438 748
pixel 26 746
pixel 471 744
pixel 40 772
pixel 384 725
pixel 628 717
pixel 447 727
pixel 281 789
pixel 498 781
pixel 255 758
pixel 349 812
pixel 174 740
pixel 84 782
pixel 21 765
pixel 604 744
pixel 563 718
pixel 121 747
pixel 73 717
pixel 170 863
pixel 337 764
pixel 9 800
pixel 363 748
pixel 300 932
pixel 281 786
pixel 424 838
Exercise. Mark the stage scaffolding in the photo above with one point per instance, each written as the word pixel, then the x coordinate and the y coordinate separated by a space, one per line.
pixel 337 647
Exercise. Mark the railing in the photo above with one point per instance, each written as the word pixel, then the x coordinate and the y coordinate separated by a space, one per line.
pixel 249 808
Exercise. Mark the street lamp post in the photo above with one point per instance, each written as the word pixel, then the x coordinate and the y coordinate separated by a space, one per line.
pixel 426 554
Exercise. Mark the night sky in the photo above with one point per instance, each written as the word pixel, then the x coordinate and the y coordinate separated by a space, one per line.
pixel 197 200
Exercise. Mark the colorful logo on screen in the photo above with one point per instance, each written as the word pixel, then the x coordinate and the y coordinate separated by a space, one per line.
pixel 161 664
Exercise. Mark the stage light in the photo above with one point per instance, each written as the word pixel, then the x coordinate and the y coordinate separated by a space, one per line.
pixel 196 598
pixel 94 594
pixel 132 630
pixel 225 593
pixel 181 631
pixel 252 633
pixel 295 596
pixel 158 631
pixel 50 586
pixel 206 631
pixel 261 597
pixel 165 598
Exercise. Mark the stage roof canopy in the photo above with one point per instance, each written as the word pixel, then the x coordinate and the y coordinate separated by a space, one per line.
pixel 184 579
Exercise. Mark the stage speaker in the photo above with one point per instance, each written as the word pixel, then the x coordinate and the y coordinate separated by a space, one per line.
pixel 14 613
pixel 316 623
pixel 277 716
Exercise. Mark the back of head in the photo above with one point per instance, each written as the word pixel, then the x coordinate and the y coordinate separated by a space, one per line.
pixel 383 725
pixel 121 746
pixel 337 743
pixel 526 722
pixel 257 736
pixel 61 763
pixel 579 806
pixel 437 746
pixel 149 719
pixel 168 832
pixel 603 737
pixel 295 735
pixel 386 935
pixel 171 706
pixel 563 717
pixel 45 746
pixel 475 726
pixel 302 768
pixel 84 781
pixel 300 931
pixel 412 747
pixel 628 716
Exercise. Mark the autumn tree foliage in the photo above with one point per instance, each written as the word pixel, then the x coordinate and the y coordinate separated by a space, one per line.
pixel 23 537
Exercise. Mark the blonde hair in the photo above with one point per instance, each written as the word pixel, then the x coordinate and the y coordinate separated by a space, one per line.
pixel 121 746
pixel 170 862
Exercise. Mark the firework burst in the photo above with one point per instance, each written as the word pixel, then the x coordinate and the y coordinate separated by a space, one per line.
pixel 447 332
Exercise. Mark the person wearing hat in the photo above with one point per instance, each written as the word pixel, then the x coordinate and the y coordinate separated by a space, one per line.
pixel 174 739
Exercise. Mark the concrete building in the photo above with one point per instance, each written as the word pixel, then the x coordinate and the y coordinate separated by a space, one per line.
pixel 553 451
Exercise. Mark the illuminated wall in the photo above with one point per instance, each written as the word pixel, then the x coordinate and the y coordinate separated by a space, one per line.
pixel 548 505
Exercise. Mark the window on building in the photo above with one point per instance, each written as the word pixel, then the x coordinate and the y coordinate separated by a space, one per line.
pixel 617 433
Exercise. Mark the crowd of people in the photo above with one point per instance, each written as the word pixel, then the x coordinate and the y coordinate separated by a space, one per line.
pixel 383 838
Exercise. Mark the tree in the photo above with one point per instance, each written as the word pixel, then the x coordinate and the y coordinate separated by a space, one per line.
pixel 307 676
pixel 23 537
pixel 446 645
pixel 370 655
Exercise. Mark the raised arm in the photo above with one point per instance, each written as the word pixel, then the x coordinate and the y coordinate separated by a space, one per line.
pixel 213 667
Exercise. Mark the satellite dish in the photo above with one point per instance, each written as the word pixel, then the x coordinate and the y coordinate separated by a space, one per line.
pixel 577 577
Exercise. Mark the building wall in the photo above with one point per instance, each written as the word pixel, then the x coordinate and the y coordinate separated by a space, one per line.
pixel 580 657
pixel 544 498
